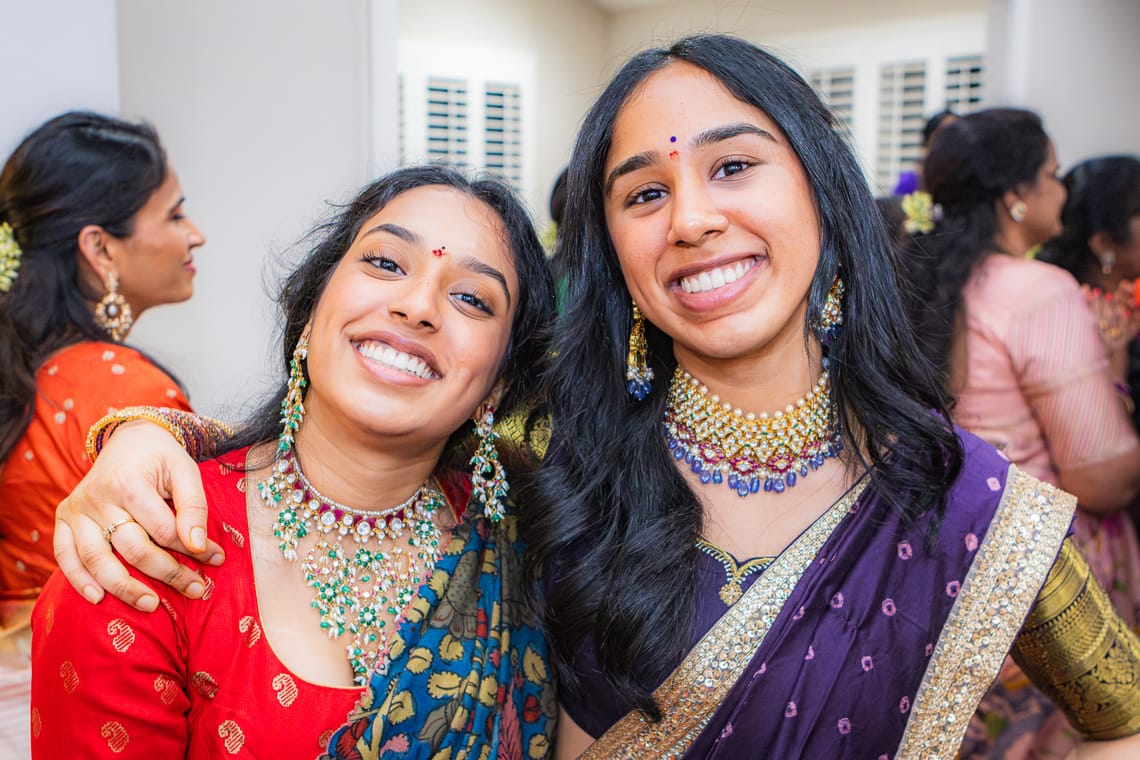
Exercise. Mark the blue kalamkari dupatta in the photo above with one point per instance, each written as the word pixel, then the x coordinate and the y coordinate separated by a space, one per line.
pixel 468 674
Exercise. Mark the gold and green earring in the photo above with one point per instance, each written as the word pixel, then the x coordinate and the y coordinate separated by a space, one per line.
pixel 638 373
pixel 489 484
pixel 293 405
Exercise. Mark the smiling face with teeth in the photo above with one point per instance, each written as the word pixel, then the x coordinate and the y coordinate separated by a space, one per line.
pixel 406 343
pixel 718 245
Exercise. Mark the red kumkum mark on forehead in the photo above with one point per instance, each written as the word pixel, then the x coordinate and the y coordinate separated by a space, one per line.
pixel 438 252
pixel 673 153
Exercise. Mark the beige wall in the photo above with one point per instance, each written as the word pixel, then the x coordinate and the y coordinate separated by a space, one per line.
pixel 566 38
pixel 1074 63
pixel 263 106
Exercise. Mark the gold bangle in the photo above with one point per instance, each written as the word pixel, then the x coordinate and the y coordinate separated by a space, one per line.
pixel 105 427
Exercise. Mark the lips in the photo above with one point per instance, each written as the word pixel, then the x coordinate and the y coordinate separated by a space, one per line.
pixel 398 358
pixel 717 277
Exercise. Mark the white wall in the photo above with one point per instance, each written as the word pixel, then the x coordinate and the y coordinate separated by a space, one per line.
pixel 1074 63
pixel 264 108
pixel 51 67
pixel 564 40
pixel 764 21
pixel 826 33
pixel 868 46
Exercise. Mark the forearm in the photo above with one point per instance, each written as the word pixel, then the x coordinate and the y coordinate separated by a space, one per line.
pixel 1078 651
pixel 201 437
pixel 1105 487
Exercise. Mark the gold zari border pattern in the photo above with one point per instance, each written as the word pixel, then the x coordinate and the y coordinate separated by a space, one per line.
pixel 1004 580
pixel 1080 653
pixel 693 692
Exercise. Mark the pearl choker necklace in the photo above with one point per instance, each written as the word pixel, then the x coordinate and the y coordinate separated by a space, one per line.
pixel 355 584
pixel 748 452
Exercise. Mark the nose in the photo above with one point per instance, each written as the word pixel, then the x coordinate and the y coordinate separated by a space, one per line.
pixel 415 304
pixel 695 215
pixel 194 236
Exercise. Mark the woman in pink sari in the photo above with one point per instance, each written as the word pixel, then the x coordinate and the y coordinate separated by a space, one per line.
pixel 1025 361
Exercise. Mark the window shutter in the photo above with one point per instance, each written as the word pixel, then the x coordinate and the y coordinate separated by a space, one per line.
pixel 447 122
pixel 902 97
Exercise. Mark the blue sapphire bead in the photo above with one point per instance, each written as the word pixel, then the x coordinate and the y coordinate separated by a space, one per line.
pixel 639 389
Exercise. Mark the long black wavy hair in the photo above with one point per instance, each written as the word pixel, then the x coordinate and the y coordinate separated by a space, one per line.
pixel 530 329
pixel 1104 195
pixel 612 518
pixel 75 170
pixel 972 162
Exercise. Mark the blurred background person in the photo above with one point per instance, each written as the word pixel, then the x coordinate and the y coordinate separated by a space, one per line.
pixel 1100 246
pixel 92 234
pixel 556 207
pixel 1019 348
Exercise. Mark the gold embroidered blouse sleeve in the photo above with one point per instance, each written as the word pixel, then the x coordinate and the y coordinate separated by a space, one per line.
pixel 1079 652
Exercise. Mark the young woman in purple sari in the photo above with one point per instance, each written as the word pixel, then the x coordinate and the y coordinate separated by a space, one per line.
pixel 761 536
pixel 758 534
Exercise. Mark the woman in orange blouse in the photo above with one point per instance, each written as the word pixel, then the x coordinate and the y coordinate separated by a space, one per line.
pixel 92 234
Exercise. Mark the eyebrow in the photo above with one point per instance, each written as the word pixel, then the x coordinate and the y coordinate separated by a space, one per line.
pixel 470 263
pixel 394 229
pixel 706 138
pixel 177 203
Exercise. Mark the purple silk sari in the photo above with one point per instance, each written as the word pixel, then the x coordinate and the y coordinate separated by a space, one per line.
pixel 844 659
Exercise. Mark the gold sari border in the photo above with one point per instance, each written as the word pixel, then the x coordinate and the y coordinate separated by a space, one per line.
pixel 1001 586
pixel 692 693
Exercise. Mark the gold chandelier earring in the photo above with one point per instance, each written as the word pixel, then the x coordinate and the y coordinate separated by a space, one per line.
pixel 830 319
pixel 113 313
pixel 638 373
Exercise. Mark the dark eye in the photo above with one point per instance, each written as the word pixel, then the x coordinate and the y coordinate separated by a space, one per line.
pixel 732 166
pixel 647 195
pixel 382 262
pixel 472 298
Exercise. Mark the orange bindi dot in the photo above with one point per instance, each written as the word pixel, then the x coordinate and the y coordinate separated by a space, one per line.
pixel 674 154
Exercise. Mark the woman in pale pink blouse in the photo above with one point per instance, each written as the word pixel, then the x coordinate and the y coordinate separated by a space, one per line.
pixel 1020 349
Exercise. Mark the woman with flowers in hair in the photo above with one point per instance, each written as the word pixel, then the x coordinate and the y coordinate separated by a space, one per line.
pixel 92 234
pixel 1016 344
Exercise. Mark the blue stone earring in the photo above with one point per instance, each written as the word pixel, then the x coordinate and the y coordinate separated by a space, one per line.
pixel 637 371
pixel 831 316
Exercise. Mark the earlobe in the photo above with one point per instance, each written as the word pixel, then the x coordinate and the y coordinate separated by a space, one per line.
pixel 92 242
pixel 496 394
pixel 1101 245
pixel 1099 242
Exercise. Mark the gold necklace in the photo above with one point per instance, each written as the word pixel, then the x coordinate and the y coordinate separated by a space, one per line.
pixel 748 452
pixel 731 591
pixel 354 586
